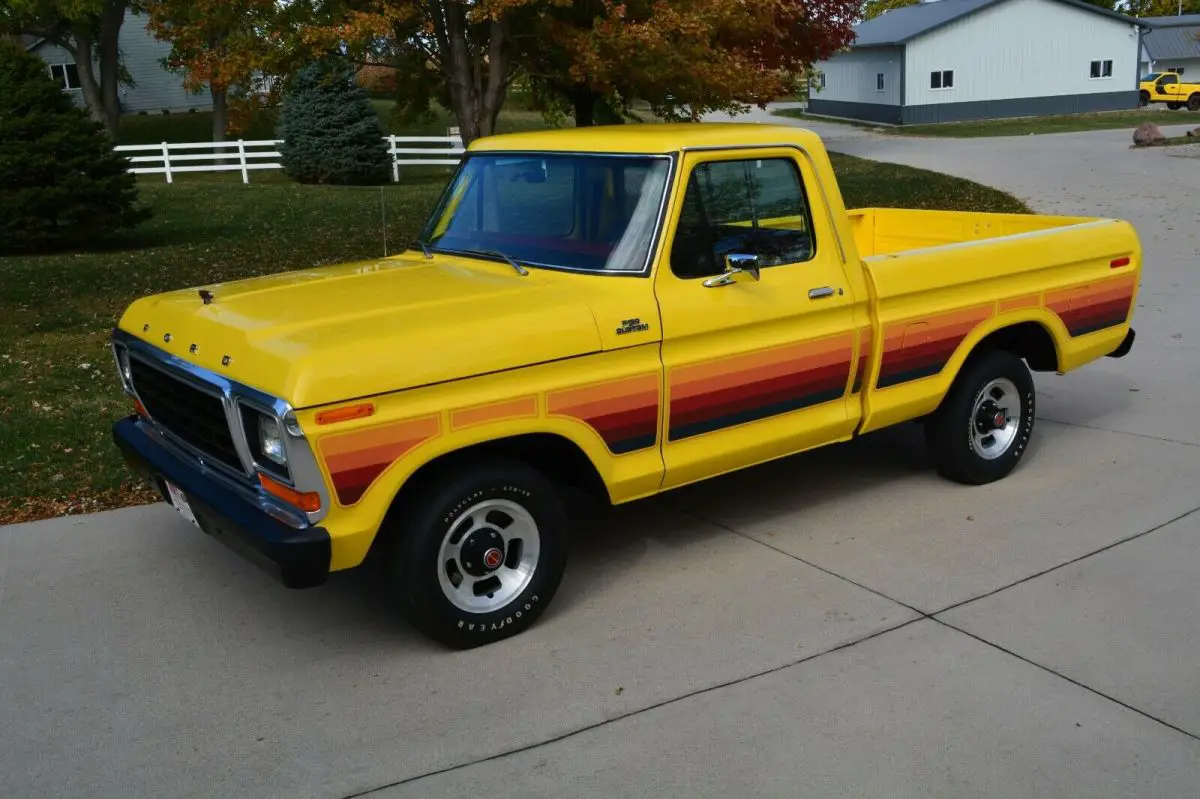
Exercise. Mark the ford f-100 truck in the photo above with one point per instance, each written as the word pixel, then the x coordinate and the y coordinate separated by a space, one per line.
pixel 628 309
pixel 1169 88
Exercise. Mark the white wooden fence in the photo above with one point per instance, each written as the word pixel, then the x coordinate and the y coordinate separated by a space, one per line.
pixel 169 159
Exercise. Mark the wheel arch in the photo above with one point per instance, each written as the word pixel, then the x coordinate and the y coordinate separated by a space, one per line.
pixel 560 459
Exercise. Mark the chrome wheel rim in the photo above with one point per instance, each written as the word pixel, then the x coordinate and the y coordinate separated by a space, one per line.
pixel 488 556
pixel 996 419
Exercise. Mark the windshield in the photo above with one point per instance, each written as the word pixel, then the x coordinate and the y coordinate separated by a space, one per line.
pixel 594 213
pixel 1151 76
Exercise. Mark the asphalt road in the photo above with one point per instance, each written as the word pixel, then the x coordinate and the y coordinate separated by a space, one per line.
pixel 841 623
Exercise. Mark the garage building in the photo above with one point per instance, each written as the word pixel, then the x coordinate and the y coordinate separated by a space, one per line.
pixel 955 60
pixel 1172 45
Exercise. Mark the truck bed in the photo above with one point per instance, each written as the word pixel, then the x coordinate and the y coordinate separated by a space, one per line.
pixel 887 231
pixel 938 277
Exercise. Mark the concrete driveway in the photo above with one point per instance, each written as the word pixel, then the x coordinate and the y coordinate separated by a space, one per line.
pixel 841 623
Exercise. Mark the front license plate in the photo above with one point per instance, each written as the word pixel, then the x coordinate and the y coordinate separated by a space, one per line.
pixel 181 504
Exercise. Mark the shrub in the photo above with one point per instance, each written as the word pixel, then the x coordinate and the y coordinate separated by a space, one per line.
pixel 61 183
pixel 331 133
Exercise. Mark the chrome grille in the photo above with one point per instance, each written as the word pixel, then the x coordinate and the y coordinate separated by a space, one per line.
pixel 191 415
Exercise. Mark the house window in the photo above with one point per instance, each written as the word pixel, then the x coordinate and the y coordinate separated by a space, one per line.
pixel 820 80
pixel 942 80
pixel 879 81
pixel 1101 69
pixel 65 75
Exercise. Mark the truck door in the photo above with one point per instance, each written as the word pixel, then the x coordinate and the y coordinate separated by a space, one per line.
pixel 758 362
pixel 1168 86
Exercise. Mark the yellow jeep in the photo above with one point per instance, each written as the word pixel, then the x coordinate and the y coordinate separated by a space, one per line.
pixel 628 309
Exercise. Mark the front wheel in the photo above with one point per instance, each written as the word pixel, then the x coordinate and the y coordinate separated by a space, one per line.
pixel 479 554
pixel 1143 98
pixel 983 425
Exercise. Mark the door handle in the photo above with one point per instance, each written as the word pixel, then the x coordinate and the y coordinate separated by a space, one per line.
pixel 823 291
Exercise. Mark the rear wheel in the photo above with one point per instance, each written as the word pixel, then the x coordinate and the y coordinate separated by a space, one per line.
pixel 1193 102
pixel 1174 106
pixel 983 425
pixel 1143 98
pixel 480 554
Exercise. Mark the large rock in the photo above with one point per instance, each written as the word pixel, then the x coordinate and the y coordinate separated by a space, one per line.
pixel 1148 134
pixel 1194 132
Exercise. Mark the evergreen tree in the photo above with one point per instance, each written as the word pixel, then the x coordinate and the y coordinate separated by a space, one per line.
pixel 61 183
pixel 330 132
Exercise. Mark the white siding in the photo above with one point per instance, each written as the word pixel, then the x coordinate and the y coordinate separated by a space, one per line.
pixel 155 88
pixel 1022 48
pixel 1190 67
pixel 854 77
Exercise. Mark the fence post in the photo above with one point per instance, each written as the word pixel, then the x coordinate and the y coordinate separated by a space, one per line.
pixel 395 165
pixel 242 156
pixel 167 161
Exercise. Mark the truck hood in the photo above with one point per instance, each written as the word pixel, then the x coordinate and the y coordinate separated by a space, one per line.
pixel 324 335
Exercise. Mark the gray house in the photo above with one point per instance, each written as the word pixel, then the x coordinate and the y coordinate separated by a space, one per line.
pixel 154 90
pixel 953 60
pixel 1172 45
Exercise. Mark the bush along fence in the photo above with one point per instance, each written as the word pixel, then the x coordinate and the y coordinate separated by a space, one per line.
pixel 169 159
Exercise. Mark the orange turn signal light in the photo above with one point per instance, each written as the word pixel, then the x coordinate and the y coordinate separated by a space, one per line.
pixel 141 409
pixel 309 502
pixel 1119 262
pixel 346 413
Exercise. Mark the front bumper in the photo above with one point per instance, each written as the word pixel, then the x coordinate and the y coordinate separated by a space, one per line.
pixel 299 558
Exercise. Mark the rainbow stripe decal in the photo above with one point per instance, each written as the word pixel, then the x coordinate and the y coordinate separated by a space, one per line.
pixel 356 459
pixel 710 396
pixel 624 413
pixel 1094 307
pixel 913 350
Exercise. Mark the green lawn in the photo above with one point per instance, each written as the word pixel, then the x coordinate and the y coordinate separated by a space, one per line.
pixel 58 388
pixel 1066 123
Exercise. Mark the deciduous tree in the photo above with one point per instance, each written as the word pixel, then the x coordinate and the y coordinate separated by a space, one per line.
pixel 218 45
pixel 90 31
pixel 873 8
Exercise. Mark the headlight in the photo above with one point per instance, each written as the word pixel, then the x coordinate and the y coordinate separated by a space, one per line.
pixel 270 440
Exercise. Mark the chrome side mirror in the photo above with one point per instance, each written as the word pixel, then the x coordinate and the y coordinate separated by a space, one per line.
pixel 735 264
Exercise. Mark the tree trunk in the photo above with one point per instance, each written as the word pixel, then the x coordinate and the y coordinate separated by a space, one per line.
pixel 112 16
pixel 475 97
pixel 496 88
pixel 81 37
pixel 220 113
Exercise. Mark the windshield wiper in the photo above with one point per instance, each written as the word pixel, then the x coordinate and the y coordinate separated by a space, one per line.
pixel 424 248
pixel 522 271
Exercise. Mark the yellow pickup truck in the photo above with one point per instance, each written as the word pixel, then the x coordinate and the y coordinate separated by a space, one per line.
pixel 1169 88
pixel 625 309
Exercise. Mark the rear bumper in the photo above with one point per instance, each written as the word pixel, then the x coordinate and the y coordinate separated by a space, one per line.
pixel 299 558
pixel 1125 346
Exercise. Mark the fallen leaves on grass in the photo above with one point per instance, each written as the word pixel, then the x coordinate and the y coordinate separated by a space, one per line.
pixel 15 510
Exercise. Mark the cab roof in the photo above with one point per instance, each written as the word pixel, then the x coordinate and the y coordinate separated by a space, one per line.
pixel 648 138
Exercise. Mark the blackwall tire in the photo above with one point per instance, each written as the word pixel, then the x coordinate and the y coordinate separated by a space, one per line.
pixel 496 525
pixel 967 441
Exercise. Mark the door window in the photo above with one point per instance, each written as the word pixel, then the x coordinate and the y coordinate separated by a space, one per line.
pixel 752 207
